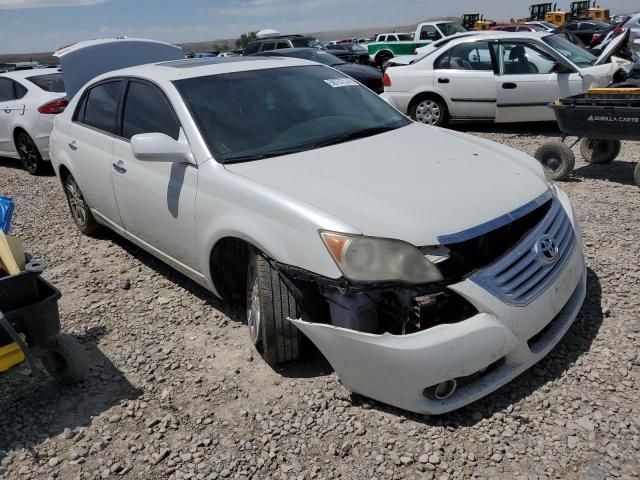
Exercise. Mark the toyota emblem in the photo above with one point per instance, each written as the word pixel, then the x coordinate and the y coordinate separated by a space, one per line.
pixel 546 250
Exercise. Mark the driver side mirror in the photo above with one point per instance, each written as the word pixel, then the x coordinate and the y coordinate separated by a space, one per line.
pixel 158 147
pixel 560 67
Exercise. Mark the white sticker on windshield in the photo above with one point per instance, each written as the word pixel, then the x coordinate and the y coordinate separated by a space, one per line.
pixel 341 82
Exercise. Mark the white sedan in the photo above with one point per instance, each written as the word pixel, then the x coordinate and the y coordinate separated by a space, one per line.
pixel 29 100
pixel 501 77
pixel 286 186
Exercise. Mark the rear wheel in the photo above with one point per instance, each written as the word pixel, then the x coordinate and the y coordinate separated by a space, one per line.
pixel 430 111
pixel 598 151
pixel 78 206
pixel 382 58
pixel 29 154
pixel 269 303
pixel 557 159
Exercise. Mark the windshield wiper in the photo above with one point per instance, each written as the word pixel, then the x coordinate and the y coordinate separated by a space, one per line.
pixel 347 137
pixel 261 156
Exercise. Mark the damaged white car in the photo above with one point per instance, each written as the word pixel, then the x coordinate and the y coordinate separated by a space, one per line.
pixel 425 279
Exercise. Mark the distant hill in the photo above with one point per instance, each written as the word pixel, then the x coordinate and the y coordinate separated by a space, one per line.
pixel 230 43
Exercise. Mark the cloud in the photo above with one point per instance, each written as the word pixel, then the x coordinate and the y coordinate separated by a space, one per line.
pixel 21 4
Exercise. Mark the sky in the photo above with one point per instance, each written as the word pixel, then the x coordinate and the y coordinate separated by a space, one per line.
pixel 44 25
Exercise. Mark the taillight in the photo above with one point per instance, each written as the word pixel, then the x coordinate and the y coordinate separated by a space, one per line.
pixel 619 30
pixel 386 80
pixel 55 107
pixel 596 36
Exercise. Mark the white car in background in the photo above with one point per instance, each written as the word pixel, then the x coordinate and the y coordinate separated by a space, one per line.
pixel 29 101
pixel 427 281
pixel 501 77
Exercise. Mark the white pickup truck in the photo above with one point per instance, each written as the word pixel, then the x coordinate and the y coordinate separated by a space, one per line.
pixel 390 45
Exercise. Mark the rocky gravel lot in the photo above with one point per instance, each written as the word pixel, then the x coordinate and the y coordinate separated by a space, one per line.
pixel 176 390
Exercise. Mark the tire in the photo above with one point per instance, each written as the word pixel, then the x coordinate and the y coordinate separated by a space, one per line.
pixel 636 174
pixel 80 211
pixel 29 154
pixel 557 159
pixel 269 303
pixel 600 151
pixel 430 111
pixel 64 359
pixel 382 58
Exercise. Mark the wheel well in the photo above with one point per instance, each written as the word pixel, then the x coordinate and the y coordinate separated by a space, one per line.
pixel 228 268
pixel 424 96
pixel 383 53
pixel 16 131
pixel 63 172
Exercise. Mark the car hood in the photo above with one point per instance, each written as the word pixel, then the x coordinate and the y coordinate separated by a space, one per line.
pixel 417 183
pixel 360 72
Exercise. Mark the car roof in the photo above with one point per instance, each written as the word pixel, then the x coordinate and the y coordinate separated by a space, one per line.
pixel 32 72
pixel 203 67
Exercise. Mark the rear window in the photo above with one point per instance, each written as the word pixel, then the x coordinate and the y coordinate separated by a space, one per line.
pixel 51 82
pixel 303 42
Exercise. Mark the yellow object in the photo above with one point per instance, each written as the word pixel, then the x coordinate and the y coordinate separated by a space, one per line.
pixel 10 356
pixel 558 18
pixel 614 91
pixel 481 25
pixel 598 13
pixel 7 260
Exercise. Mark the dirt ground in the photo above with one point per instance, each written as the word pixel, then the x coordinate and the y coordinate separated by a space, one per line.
pixel 176 390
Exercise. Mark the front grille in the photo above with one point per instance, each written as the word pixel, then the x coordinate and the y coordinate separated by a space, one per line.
pixel 520 276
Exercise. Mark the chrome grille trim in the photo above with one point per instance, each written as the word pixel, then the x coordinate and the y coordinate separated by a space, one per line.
pixel 518 277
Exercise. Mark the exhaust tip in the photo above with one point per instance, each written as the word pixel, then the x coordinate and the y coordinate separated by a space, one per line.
pixel 445 389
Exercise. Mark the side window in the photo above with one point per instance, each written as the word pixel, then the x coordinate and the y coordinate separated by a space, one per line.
pixel 6 90
pixel 282 45
pixel 20 90
pixel 466 56
pixel 429 32
pixel 102 106
pixel 523 59
pixel 392 38
pixel 383 38
pixel 146 110
pixel 268 46
pixel 586 26
pixel 252 48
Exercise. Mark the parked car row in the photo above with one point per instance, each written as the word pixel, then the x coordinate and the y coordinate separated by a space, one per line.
pixel 257 177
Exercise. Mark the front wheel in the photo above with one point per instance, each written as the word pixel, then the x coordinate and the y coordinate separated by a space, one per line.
pixel 269 304
pixel 557 160
pixel 29 154
pixel 600 151
pixel 78 206
pixel 430 111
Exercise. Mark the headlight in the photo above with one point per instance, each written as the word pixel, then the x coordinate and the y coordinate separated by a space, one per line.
pixel 367 259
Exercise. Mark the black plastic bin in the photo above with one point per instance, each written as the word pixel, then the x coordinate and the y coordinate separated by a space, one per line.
pixel 30 304
pixel 610 117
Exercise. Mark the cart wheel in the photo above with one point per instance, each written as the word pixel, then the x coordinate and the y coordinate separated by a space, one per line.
pixel 599 151
pixel 557 159
pixel 636 174
pixel 64 359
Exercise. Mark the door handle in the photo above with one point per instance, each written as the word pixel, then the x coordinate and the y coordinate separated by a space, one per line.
pixel 73 146
pixel 509 85
pixel 443 80
pixel 119 166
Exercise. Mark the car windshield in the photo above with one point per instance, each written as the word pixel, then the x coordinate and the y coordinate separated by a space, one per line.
pixel 451 28
pixel 319 56
pixel 405 37
pixel 51 82
pixel 251 115
pixel 578 55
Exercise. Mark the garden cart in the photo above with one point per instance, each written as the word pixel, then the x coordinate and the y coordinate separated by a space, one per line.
pixel 600 118
pixel 29 318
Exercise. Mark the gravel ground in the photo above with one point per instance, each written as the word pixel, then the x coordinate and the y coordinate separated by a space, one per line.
pixel 176 390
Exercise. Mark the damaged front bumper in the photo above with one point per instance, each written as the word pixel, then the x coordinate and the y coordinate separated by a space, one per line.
pixel 481 353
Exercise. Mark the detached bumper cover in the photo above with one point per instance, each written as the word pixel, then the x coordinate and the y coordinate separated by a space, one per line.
pixel 396 369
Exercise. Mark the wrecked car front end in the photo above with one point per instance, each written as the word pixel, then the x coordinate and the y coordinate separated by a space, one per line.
pixel 509 289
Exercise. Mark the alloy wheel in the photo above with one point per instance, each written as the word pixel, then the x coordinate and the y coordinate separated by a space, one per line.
pixel 428 112
pixel 76 201
pixel 253 302
pixel 28 152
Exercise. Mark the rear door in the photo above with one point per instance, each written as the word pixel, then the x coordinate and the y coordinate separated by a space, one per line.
pixel 527 83
pixel 156 200
pixel 7 105
pixel 465 76
pixel 90 146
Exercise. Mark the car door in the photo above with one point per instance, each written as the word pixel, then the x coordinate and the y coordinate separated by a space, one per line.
pixel 7 107
pixel 156 200
pixel 464 76
pixel 90 147
pixel 527 82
